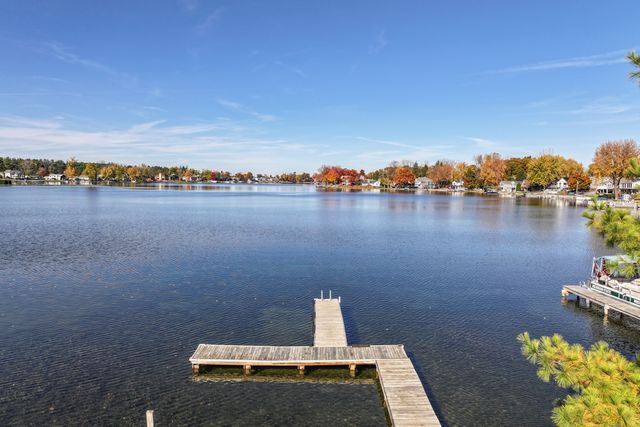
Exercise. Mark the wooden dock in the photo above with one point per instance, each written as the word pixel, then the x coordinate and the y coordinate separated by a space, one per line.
pixel 329 325
pixel 404 396
pixel 608 303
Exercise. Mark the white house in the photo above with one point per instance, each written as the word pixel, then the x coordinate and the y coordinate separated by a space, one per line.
pixel 13 174
pixel 457 185
pixel 84 180
pixel 160 177
pixel 509 186
pixel 54 177
pixel 561 184
pixel 424 183
pixel 603 185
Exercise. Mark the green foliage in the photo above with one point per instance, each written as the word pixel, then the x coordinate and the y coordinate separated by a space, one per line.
pixel 634 59
pixel 617 226
pixel 606 385
pixel 545 170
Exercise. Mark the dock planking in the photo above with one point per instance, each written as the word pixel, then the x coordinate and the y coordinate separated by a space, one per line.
pixel 329 325
pixel 405 399
pixel 605 301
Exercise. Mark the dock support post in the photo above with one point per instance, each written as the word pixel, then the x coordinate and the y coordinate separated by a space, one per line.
pixel 149 418
pixel 352 370
pixel 301 370
pixel 565 294
pixel 606 311
pixel 247 369
pixel 195 368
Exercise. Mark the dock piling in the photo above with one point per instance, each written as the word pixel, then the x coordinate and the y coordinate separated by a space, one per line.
pixel 149 418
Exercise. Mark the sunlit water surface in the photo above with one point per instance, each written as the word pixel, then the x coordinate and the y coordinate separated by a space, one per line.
pixel 106 292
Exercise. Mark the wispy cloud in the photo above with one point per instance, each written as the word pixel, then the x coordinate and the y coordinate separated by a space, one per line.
pixel 189 5
pixel 219 143
pixel 380 43
pixel 609 58
pixel 600 108
pixel 482 142
pixel 236 106
pixel 385 142
pixel 65 54
pixel 205 25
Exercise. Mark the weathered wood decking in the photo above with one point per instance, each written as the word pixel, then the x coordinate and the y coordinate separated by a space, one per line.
pixel 607 302
pixel 208 354
pixel 407 403
pixel 405 399
pixel 329 325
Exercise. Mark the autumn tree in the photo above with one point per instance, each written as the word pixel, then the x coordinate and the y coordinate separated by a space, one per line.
pixel 107 172
pixel 605 384
pixel 545 170
pixel 472 177
pixel 404 177
pixel 132 173
pixel 612 160
pixel 90 171
pixel 70 170
pixel 492 169
pixel 579 180
pixel 441 173
pixel 188 175
pixel 42 171
pixel 515 168
pixel 332 176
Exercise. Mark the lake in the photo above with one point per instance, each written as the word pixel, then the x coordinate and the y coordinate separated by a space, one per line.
pixel 105 292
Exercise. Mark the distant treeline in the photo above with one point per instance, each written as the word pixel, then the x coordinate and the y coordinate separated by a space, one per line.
pixel 117 172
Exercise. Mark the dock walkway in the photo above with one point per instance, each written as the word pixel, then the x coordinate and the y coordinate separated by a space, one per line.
pixel 607 302
pixel 329 325
pixel 405 399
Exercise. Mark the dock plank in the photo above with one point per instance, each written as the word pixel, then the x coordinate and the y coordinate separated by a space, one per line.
pixel 407 402
pixel 601 299
pixel 329 324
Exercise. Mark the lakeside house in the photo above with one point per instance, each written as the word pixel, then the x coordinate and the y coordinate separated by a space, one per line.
pixel 13 174
pixel 54 177
pixel 160 177
pixel 424 183
pixel 509 186
pixel 556 187
pixel 458 185
pixel 605 185
pixel 84 180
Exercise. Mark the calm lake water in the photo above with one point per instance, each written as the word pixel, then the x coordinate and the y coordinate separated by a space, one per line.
pixel 106 292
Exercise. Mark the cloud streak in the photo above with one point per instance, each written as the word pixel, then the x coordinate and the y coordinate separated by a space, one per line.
pixel 236 106
pixel 218 143
pixel 609 58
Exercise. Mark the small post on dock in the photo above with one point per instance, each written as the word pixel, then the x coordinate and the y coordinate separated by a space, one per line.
pixel 195 369
pixel 247 370
pixel 149 418
pixel 321 294
pixel 329 293
pixel 301 370
pixel 606 311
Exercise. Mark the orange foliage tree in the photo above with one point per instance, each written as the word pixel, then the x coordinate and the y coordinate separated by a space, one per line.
pixel 404 177
pixel 492 169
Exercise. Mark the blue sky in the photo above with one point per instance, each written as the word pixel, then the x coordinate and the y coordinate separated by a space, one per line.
pixel 274 86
